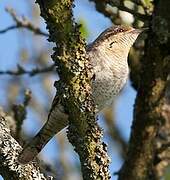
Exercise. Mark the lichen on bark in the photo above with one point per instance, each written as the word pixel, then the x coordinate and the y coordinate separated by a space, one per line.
pixel 74 87
pixel 9 150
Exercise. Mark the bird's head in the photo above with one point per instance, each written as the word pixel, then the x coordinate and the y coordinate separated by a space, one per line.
pixel 117 39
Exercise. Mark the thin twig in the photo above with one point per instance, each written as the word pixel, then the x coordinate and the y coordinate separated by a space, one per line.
pixel 8 29
pixel 20 112
pixel 22 23
pixel 33 72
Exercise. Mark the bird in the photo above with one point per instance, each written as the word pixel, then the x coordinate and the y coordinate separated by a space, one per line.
pixel 108 55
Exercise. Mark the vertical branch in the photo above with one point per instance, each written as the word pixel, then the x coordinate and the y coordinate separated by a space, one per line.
pixel 19 111
pixel 74 87
pixel 148 117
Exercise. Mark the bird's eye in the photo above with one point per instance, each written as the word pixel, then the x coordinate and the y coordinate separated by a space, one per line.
pixel 121 30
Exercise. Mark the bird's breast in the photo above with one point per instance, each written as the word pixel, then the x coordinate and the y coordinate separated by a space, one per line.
pixel 107 84
pixel 110 74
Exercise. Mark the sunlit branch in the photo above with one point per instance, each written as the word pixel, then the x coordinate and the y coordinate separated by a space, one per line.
pixel 101 7
pixel 120 5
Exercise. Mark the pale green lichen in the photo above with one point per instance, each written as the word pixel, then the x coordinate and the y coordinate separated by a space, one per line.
pixel 74 88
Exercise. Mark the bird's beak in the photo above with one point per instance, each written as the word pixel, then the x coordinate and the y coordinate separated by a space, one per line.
pixel 138 31
pixel 145 29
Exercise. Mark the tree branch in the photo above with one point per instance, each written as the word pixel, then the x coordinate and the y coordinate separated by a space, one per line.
pixel 33 72
pixel 19 113
pixel 74 88
pixel 9 150
pixel 101 7
pixel 120 5
pixel 22 23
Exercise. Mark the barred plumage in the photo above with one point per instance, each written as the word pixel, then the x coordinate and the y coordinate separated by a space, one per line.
pixel 108 56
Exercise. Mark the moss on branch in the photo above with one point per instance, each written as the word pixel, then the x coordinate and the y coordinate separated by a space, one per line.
pixel 74 87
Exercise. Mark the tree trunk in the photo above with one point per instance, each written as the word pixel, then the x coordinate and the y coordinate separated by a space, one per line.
pixel 148 117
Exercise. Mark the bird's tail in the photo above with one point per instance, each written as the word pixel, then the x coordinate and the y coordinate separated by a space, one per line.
pixel 57 120
pixel 31 149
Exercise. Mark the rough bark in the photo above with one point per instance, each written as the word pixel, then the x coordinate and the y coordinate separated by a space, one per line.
pixel 9 150
pixel 148 117
pixel 74 88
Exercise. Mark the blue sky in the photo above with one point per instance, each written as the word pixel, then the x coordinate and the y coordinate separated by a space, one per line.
pixel 9 47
